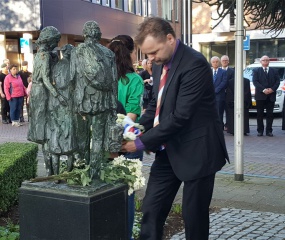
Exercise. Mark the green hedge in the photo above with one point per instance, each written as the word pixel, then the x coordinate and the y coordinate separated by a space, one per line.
pixel 18 162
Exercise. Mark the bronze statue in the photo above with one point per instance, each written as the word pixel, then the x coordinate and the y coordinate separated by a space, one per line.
pixel 95 100
pixel 61 125
pixel 42 89
pixel 73 101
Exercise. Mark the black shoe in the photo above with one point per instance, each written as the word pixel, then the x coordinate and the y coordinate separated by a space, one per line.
pixel 259 134
pixel 269 134
pixel 22 119
pixel 5 122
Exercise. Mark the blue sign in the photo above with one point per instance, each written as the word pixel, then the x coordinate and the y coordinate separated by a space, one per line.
pixel 246 43
pixel 25 45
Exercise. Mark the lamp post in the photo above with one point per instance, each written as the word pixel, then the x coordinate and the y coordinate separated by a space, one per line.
pixel 239 94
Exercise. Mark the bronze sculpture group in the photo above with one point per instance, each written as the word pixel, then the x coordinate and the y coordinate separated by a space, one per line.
pixel 73 101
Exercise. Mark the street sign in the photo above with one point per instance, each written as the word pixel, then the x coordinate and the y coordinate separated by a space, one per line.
pixel 246 43
pixel 26 45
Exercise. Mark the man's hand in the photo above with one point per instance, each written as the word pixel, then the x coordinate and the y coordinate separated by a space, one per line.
pixel 128 146
pixel 113 155
pixel 2 95
pixel 270 90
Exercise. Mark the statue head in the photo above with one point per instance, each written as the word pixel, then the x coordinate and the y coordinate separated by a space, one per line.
pixel 49 36
pixel 91 30
pixel 66 50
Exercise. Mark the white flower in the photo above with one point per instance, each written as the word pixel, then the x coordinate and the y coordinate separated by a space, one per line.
pixel 129 136
pixel 116 171
pixel 129 127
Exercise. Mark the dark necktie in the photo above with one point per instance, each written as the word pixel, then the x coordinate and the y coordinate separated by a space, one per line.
pixel 215 76
pixel 265 71
pixel 163 78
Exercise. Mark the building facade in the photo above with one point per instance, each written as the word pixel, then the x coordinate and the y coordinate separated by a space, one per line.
pixel 221 40
pixel 21 22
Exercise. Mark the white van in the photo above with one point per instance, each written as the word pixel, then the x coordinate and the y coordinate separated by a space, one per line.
pixel 279 65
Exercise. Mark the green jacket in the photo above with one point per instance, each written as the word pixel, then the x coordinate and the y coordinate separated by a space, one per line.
pixel 130 93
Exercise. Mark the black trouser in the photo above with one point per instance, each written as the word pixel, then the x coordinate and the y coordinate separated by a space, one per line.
pixel 269 106
pixel 160 193
pixel 5 109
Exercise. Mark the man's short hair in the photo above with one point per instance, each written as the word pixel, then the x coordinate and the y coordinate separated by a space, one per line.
pixel 3 65
pixel 156 27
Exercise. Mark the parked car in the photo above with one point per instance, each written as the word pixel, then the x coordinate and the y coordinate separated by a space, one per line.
pixel 279 65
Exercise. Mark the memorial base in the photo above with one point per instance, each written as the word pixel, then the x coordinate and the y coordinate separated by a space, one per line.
pixel 50 211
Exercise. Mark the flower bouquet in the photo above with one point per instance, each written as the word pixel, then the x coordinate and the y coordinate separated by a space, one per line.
pixel 132 130
pixel 124 170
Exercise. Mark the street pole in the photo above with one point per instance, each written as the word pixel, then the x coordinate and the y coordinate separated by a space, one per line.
pixel 239 95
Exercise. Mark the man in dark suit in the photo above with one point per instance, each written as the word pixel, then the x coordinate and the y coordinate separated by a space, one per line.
pixel 266 81
pixel 225 61
pixel 220 85
pixel 187 137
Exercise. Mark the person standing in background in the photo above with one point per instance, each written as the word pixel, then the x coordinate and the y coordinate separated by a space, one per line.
pixel 139 67
pixel 148 83
pixel 144 62
pixel 24 74
pixel 130 90
pixel 230 99
pixel 5 108
pixel 15 91
pixel 7 62
pixel 283 111
pixel 220 85
pixel 183 129
pixel 266 81
pixel 230 75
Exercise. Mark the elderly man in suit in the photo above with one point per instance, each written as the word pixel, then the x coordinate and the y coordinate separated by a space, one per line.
pixel 266 81
pixel 225 61
pixel 183 128
pixel 220 85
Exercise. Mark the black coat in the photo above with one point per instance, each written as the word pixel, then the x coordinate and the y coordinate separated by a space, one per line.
pixel 189 125
pixel 261 81
pixel 230 104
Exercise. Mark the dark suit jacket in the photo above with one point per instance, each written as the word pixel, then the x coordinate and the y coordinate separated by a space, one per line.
pixel 246 91
pixel 189 123
pixel 260 81
pixel 220 84
pixel 230 74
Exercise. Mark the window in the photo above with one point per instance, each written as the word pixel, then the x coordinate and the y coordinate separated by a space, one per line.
pixel 145 8
pixel 131 6
pixel 119 4
pixel 139 7
pixel 107 2
pixel 166 9
pixel 176 15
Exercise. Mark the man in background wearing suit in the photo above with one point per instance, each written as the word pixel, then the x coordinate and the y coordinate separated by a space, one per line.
pixel 182 128
pixel 225 61
pixel 266 81
pixel 220 85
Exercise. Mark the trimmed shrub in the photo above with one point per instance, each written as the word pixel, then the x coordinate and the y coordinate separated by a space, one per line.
pixel 18 162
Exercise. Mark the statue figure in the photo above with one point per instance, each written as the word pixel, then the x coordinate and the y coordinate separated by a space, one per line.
pixel 42 90
pixel 73 101
pixel 61 125
pixel 95 97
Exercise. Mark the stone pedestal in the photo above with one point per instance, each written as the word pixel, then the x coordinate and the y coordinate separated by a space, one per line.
pixel 50 211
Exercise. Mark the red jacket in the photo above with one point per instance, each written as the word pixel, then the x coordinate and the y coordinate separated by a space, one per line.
pixel 14 87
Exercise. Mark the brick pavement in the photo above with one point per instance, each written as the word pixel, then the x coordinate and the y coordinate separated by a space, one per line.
pixel 262 193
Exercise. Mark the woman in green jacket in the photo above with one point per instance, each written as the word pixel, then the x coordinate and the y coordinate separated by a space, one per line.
pixel 130 91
